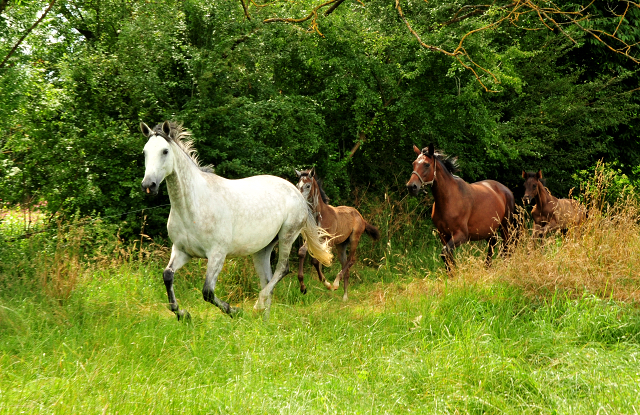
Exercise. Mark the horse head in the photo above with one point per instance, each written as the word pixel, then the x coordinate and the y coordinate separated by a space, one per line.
pixel 423 169
pixel 305 183
pixel 158 156
pixel 532 185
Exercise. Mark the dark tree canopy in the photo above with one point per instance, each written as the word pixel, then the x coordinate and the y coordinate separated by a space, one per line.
pixel 346 86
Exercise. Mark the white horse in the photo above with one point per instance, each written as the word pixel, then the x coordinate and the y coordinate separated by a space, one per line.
pixel 215 218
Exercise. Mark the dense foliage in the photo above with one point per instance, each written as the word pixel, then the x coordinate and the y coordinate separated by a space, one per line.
pixel 350 95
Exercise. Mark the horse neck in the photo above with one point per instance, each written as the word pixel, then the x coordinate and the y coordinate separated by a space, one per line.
pixel 184 182
pixel 543 197
pixel 319 207
pixel 444 186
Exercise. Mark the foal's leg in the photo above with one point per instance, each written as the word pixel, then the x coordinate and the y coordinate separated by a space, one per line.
pixel 302 254
pixel 177 260
pixel 208 291
pixel 342 257
pixel 318 266
pixel 353 246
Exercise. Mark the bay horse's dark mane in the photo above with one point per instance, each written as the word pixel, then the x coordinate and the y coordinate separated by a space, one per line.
pixel 323 195
pixel 182 138
pixel 449 162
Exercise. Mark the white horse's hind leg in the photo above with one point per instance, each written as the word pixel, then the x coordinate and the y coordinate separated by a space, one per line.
pixel 262 263
pixel 177 260
pixel 282 267
pixel 213 270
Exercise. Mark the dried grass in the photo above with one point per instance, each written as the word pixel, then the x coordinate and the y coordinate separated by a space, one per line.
pixel 600 257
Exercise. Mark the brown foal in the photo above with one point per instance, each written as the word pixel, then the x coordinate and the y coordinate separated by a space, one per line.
pixel 549 213
pixel 345 224
pixel 461 211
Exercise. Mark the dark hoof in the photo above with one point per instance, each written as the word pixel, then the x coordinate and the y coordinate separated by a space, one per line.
pixel 183 315
pixel 235 312
pixel 303 290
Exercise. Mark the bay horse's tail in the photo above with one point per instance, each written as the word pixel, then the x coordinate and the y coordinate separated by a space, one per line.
pixel 372 231
pixel 317 240
pixel 513 221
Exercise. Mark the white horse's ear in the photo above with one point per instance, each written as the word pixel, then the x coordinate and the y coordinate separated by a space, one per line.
pixel 166 128
pixel 146 131
pixel 312 172
pixel 298 173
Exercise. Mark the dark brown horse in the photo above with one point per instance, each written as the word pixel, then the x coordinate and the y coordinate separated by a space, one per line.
pixel 461 211
pixel 345 224
pixel 549 213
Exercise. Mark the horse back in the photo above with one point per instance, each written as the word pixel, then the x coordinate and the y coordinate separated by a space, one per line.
pixel 341 221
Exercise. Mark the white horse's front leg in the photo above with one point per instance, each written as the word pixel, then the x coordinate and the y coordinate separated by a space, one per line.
pixel 177 260
pixel 213 270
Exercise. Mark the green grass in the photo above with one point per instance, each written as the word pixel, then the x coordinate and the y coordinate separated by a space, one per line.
pixel 85 329
pixel 422 346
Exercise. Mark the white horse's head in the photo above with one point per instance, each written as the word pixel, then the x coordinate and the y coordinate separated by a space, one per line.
pixel 158 156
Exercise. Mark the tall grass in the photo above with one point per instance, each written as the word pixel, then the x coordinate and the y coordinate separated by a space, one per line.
pixel 551 329
pixel 600 256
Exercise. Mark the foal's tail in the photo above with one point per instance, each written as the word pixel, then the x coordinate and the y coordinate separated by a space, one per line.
pixel 317 240
pixel 372 231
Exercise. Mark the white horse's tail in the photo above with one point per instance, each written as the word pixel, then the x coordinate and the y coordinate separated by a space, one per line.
pixel 317 240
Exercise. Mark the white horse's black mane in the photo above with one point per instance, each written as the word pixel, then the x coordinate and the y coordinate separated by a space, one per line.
pixel 182 138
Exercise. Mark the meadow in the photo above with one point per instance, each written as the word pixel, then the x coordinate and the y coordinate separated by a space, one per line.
pixel 551 329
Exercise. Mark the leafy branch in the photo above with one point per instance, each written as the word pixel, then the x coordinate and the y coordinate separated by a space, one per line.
pixel 549 17
pixel 537 15
pixel 23 37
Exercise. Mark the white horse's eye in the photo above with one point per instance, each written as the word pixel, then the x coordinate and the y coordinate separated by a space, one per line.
pixel 165 151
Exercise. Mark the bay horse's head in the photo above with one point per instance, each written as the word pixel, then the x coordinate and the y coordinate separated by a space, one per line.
pixel 423 169
pixel 533 184
pixel 158 156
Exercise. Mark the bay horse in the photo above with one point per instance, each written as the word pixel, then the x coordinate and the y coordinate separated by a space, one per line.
pixel 216 218
pixel 461 211
pixel 345 225
pixel 549 213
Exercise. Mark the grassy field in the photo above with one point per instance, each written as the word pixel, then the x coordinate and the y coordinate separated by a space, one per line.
pixel 552 329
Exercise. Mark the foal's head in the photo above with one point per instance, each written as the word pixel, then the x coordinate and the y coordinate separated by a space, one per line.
pixel 533 184
pixel 423 169
pixel 310 187
pixel 305 182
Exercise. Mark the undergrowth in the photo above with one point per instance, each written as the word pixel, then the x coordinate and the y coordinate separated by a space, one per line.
pixel 552 328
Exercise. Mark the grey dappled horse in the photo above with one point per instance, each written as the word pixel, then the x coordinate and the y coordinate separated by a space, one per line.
pixel 215 218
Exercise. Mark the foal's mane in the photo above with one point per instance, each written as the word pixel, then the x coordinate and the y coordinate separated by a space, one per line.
pixel 450 162
pixel 323 195
pixel 182 138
